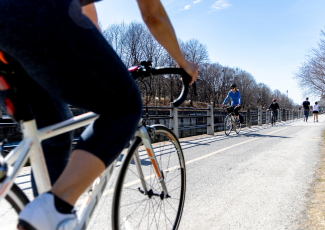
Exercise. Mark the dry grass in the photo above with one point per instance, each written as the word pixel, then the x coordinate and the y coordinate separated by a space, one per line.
pixel 316 207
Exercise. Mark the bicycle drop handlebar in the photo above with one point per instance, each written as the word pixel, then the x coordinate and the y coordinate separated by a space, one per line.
pixel 145 70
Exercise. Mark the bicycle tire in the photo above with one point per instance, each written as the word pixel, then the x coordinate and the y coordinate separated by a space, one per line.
pixel 127 192
pixel 11 206
pixel 238 127
pixel 227 125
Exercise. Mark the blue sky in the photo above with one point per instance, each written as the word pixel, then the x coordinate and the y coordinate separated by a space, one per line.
pixel 267 38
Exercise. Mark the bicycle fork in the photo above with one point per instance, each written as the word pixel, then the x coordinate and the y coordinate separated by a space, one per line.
pixel 143 133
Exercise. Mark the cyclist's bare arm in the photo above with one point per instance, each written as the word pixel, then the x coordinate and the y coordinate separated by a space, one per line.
pixel 156 18
pixel 91 13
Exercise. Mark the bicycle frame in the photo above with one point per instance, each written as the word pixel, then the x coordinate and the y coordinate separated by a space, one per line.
pixel 233 122
pixel 31 148
pixel 274 115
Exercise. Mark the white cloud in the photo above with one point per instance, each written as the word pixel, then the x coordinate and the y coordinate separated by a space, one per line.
pixel 186 7
pixel 220 4
pixel 197 1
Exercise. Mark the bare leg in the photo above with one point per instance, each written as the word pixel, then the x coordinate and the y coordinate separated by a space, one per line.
pixel 237 117
pixel 81 171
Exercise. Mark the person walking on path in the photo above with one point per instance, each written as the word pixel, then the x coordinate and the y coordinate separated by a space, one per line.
pixel 315 111
pixel 306 108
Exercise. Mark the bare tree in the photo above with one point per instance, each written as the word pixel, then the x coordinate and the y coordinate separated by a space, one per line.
pixel 133 43
pixel 311 74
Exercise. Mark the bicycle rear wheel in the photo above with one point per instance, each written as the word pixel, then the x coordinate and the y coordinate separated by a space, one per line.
pixel 11 206
pixel 227 125
pixel 132 209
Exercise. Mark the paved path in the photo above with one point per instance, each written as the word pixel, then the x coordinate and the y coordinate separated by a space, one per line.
pixel 255 180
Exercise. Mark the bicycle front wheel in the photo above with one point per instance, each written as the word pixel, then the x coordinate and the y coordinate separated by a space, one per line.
pixel 238 127
pixel 11 206
pixel 273 119
pixel 132 208
pixel 227 125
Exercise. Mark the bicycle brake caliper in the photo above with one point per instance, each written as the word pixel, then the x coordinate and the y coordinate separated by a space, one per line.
pixel 151 131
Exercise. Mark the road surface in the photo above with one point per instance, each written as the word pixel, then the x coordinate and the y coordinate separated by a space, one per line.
pixel 255 180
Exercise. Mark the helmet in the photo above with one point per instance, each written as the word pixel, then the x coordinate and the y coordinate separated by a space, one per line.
pixel 274 99
pixel 234 85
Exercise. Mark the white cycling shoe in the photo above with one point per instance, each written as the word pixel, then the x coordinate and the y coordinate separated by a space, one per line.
pixel 41 214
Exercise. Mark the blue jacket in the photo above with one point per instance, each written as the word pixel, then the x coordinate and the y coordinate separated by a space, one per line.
pixel 235 98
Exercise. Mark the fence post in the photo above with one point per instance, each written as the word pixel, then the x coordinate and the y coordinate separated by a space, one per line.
pixel 173 122
pixel 210 120
pixel 267 117
pixel 259 117
pixel 289 111
pixel 248 118
pixel 287 114
pixel 283 115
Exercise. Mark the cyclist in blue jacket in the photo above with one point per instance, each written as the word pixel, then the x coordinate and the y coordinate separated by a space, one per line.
pixel 235 100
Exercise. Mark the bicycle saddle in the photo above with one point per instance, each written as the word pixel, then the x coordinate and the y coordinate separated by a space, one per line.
pixel 13 88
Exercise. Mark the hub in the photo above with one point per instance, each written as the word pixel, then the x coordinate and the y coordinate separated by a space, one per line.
pixel 150 194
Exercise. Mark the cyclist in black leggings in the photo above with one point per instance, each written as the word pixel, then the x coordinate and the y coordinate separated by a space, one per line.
pixel 274 107
pixel 66 60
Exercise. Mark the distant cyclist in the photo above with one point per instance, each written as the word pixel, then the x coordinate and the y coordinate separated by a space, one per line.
pixel 235 100
pixel 306 108
pixel 275 108
pixel 64 59
pixel 315 111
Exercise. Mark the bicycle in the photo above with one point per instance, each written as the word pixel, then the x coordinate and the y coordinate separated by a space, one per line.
pixel 159 182
pixel 273 117
pixel 230 123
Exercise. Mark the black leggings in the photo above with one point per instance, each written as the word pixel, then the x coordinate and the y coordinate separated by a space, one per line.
pixel 68 61
pixel 234 108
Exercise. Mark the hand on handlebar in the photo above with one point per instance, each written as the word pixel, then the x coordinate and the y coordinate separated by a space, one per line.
pixel 192 69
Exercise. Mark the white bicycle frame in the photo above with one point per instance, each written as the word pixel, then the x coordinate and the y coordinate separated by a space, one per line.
pixel 30 147
pixel 233 122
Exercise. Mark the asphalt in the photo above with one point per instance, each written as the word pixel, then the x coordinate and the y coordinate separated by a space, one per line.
pixel 258 179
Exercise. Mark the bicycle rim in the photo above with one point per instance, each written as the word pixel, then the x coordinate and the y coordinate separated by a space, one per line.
pixel 11 206
pixel 227 125
pixel 238 127
pixel 134 210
